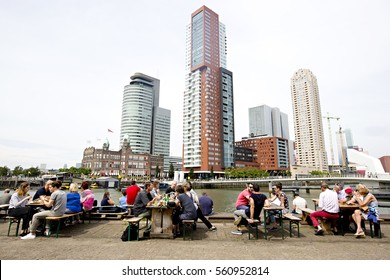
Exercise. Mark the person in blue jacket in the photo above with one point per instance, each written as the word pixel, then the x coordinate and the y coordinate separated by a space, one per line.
pixel 73 204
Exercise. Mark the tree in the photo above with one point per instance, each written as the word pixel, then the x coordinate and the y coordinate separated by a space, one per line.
pixel 32 172
pixel 212 172
pixel 157 172
pixel 191 173
pixel 18 170
pixel 171 172
pixel 5 171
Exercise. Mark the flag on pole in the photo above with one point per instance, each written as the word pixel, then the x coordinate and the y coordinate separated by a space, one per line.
pixel 109 130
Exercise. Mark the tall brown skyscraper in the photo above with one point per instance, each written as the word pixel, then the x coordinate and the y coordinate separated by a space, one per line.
pixel 208 116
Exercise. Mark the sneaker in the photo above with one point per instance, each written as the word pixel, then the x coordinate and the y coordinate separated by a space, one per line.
pixel 237 232
pixel 319 232
pixel 46 232
pixel 237 221
pixel 28 236
pixel 213 228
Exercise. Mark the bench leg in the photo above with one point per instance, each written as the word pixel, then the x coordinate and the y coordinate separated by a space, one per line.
pixel 253 228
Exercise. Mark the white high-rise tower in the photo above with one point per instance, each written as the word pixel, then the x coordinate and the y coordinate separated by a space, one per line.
pixel 309 134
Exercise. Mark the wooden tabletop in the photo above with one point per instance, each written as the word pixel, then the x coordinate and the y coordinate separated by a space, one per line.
pixel 273 207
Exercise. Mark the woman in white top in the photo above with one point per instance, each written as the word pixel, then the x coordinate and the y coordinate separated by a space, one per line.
pixel 18 206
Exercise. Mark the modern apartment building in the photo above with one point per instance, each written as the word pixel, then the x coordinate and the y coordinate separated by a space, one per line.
pixel 208 115
pixel 269 152
pixel 144 124
pixel 309 135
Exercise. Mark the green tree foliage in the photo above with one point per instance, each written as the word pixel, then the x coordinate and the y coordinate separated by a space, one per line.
pixel 319 173
pixel 32 172
pixel 18 170
pixel 245 172
pixel 5 171
pixel 191 174
pixel 171 172
pixel 76 171
pixel 157 171
pixel 212 172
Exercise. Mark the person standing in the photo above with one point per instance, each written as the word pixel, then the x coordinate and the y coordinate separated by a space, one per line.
pixel 18 206
pixel 329 204
pixel 57 203
pixel 131 192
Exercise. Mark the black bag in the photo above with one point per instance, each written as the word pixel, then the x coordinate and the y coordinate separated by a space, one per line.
pixel 133 233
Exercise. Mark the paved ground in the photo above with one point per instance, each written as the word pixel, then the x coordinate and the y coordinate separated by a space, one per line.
pixel 100 240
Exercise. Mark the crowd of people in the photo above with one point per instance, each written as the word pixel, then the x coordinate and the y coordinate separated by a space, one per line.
pixel 188 206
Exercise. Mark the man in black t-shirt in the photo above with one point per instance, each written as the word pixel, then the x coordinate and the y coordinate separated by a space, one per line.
pixel 257 201
pixel 143 199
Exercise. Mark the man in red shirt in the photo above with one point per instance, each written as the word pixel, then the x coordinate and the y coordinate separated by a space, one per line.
pixel 242 202
pixel 131 193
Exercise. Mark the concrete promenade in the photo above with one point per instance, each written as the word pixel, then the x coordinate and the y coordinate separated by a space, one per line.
pixel 100 240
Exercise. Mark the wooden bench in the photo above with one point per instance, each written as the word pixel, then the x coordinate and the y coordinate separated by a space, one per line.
pixel 292 220
pixel 135 221
pixel 13 220
pixel 306 214
pixel 108 215
pixel 58 219
pixel 188 225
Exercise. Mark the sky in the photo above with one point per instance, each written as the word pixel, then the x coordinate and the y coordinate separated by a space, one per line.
pixel 64 64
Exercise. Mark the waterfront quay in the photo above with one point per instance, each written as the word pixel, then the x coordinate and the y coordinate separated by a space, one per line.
pixel 100 240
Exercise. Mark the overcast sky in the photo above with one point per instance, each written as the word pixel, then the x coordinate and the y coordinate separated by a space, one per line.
pixel 63 66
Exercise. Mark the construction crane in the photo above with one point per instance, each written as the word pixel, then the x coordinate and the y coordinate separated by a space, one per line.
pixel 330 133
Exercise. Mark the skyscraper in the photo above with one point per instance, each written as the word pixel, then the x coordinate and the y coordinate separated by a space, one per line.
pixel 208 117
pixel 144 124
pixel 265 120
pixel 309 134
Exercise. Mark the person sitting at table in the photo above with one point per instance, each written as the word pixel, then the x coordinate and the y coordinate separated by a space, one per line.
pixel 106 200
pixel 348 195
pixel 171 188
pixel 340 192
pixel 156 188
pixel 242 202
pixel 43 192
pixel 18 206
pixel 330 209
pixel 87 197
pixel 5 198
pixel 368 208
pixel 194 197
pixel 283 201
pixel 57 203
pixel 44 195
pixel 122 199
pixel 257 201
pixel 144 198
pixel 298 203
pixel 206 204
pixel 73 204
pixel 186 210
pixel 131 192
